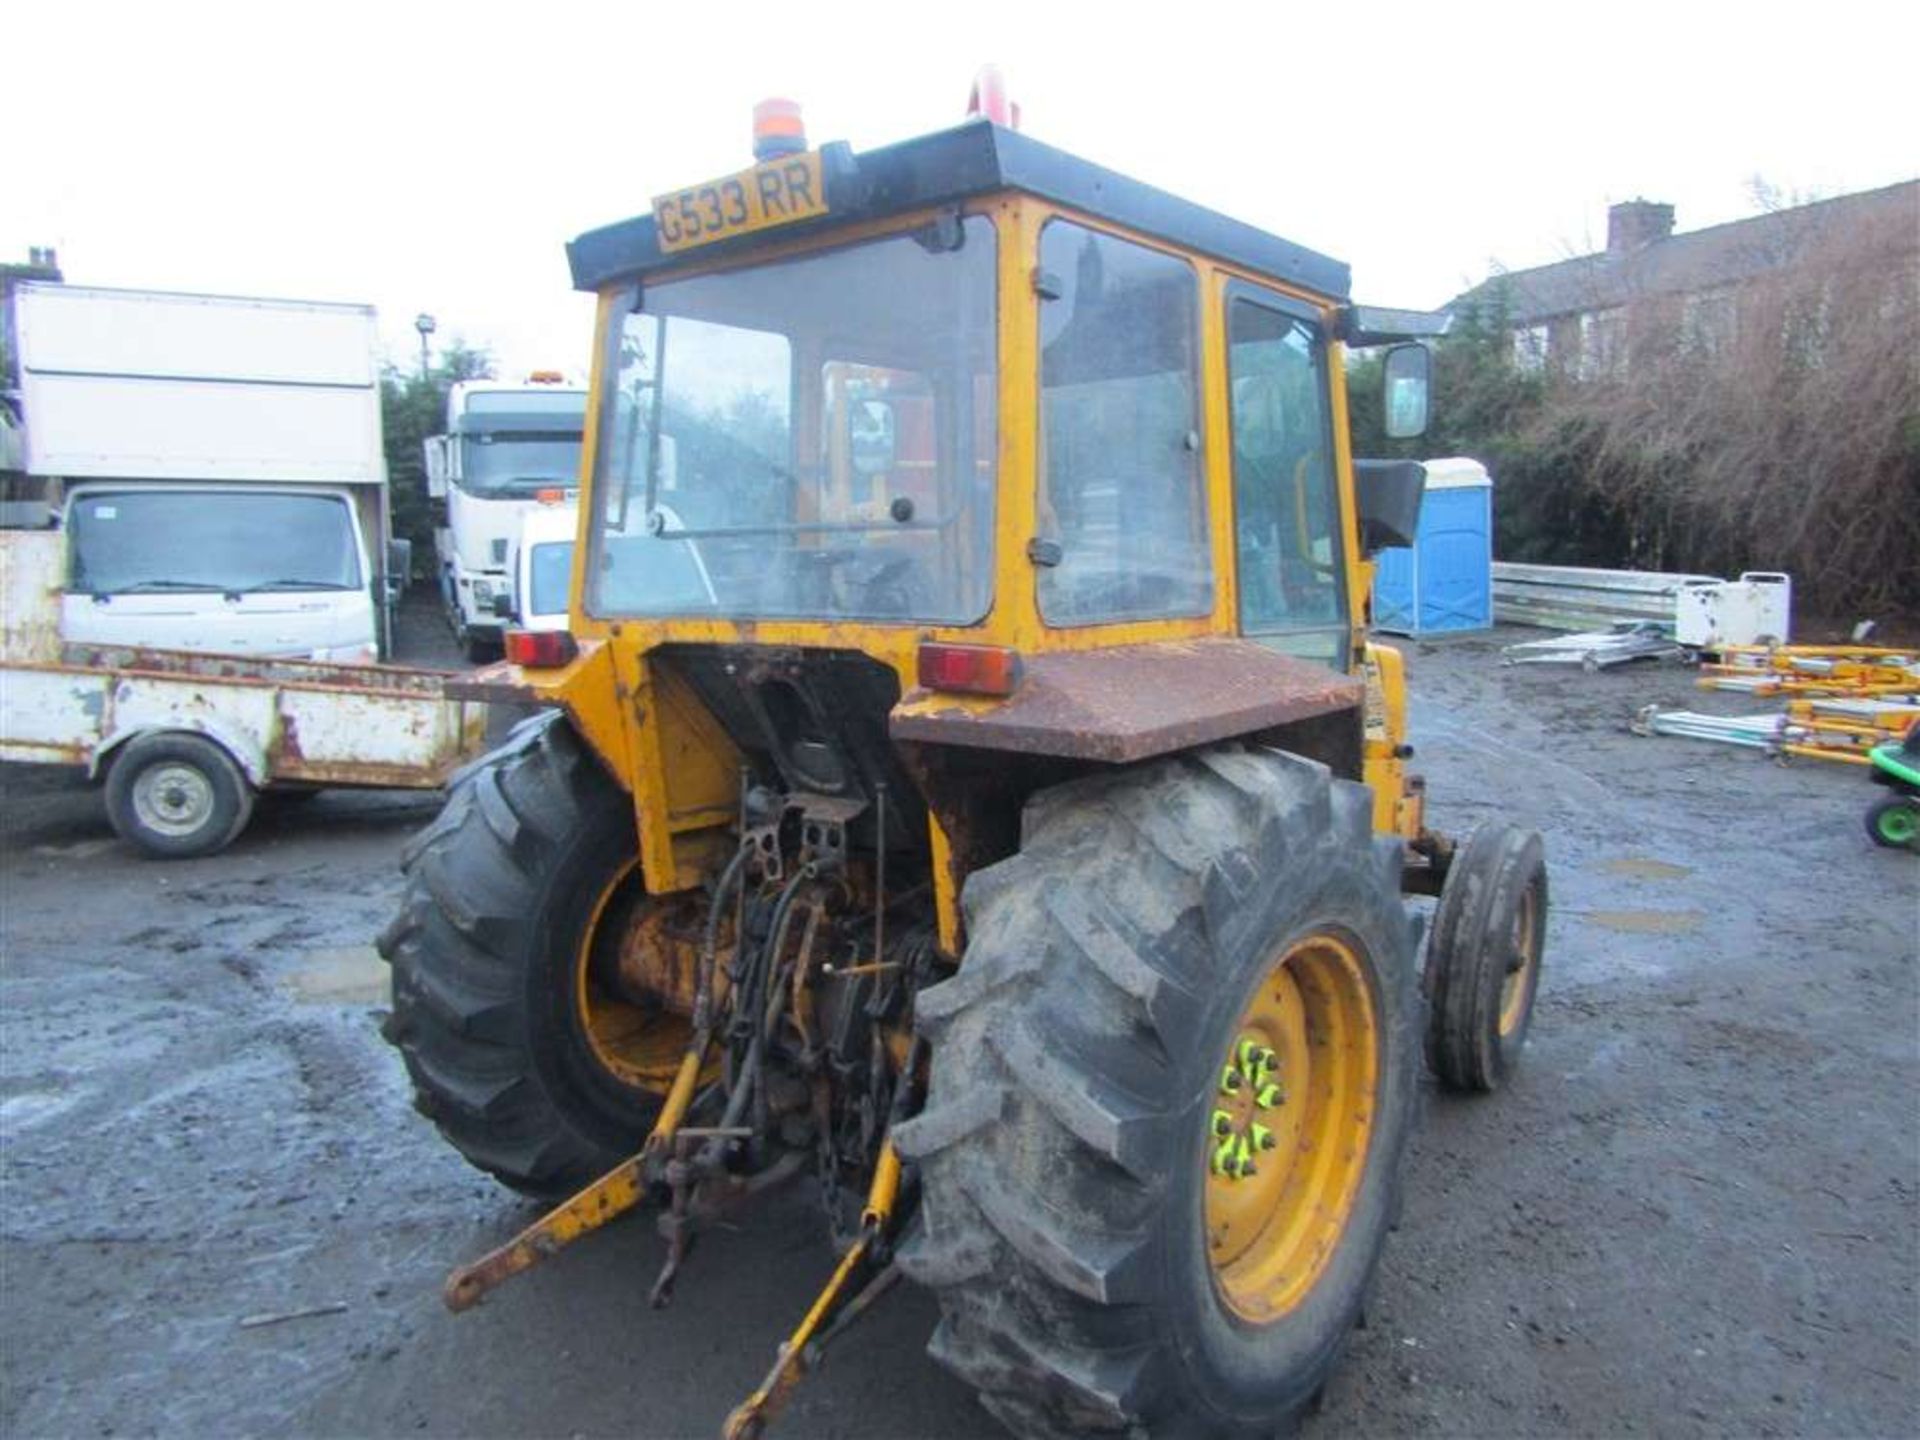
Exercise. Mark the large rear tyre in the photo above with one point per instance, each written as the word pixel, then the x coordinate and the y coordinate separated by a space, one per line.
pixel 1172 1087
pixel 1483 962
pixel 513 905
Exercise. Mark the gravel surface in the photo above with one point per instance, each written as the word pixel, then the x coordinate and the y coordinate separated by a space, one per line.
pixel 1694 1212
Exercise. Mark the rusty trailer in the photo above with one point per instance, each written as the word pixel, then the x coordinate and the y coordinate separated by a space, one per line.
pixel 184 741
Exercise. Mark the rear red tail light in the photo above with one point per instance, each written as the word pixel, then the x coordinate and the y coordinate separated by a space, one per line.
pixel 969 669
pixel 541 649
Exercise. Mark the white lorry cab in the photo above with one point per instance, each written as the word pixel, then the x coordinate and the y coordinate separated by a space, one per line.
pixel 216 463
pixel 242 571
pixel 507 449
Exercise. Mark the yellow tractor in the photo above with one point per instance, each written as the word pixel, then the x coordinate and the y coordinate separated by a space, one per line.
pixel 968 781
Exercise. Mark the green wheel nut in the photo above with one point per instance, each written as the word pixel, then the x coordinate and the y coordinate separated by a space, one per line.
pixel 1222 1122
pixel 1223 1158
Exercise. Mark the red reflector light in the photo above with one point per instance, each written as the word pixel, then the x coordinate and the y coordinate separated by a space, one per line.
pixel 969 669
pixel 541 649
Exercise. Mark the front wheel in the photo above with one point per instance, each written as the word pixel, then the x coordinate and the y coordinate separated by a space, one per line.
pixel 1172 1087
pixel 1483 962
pixel 177 796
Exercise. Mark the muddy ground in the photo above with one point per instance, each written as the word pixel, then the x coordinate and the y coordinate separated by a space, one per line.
pixel 1694 1213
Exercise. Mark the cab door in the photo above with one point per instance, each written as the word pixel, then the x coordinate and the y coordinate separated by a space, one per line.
pixel 1287 533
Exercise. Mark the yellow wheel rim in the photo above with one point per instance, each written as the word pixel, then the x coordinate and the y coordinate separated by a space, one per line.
pixel 1289 1127
pixel 638 1045
pixel 1524 964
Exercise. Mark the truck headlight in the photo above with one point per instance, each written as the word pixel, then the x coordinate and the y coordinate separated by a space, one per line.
pixel 482 594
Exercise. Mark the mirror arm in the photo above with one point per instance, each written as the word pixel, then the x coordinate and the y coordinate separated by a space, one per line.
pixel 1362 326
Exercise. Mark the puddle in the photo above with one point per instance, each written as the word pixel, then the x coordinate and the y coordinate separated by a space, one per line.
pixel 1648 922
pixel 1641 868
pixel 22 1112
pixel 78 850
pixel 352 975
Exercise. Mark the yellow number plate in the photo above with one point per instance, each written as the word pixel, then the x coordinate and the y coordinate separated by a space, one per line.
pixel 777 193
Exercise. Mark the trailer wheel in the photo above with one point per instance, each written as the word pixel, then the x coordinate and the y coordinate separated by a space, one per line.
pixel 1173 1083
pixel 1483 962
pixel 1895 822
pixel 176 796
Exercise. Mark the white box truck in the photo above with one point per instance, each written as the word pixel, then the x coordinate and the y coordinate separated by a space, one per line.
pixel 216 464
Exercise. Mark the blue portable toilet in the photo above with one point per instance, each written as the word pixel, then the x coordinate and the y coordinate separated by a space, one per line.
pixel 1444 581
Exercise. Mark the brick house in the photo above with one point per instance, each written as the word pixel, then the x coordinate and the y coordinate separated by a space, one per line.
pixel 1574 313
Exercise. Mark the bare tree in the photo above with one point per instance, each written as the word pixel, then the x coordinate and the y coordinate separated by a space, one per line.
pixel 1771 422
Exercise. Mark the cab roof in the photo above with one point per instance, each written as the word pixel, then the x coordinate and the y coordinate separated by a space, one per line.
pixel 977 158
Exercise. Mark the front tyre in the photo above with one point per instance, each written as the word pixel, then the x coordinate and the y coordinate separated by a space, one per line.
pixel 478 648
pixel 516 899
pixel 177 796
pixel 1483 962
pixel 1172 1087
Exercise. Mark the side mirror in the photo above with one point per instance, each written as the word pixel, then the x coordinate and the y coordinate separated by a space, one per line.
pixel 399 568
pixel 435 448
pixel 1408 375
pixel 870 437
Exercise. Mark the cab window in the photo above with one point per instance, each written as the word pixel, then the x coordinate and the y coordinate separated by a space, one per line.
pixel 1122 503
pixel 1286 508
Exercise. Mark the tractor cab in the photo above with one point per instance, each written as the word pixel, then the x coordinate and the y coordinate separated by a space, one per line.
pixel 970 383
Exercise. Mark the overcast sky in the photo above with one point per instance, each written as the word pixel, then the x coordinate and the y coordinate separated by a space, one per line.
pixel 428 157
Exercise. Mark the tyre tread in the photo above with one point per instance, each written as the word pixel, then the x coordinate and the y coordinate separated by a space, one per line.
pixel 1089 951
pixel 460 994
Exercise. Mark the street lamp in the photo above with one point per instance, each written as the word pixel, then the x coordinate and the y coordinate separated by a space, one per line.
pixel 424 323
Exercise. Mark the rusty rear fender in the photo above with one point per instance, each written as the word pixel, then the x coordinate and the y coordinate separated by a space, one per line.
pixel 1134 702
pixel 587 689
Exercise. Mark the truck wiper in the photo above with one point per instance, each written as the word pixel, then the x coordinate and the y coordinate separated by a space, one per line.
pixel 135 587
pixel 289 584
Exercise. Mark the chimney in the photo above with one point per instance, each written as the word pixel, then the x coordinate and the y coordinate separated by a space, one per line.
pixel 1635 223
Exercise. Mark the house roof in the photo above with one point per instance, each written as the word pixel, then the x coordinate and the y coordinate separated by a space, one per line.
pixel 1697 260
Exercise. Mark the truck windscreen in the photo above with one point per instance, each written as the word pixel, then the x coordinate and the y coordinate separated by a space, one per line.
pixel 126 542
pixel 518 464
